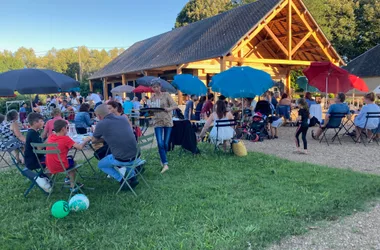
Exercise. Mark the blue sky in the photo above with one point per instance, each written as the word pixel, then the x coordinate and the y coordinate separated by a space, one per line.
pixel 43 24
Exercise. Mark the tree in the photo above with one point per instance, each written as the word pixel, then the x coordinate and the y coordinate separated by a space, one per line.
pixel 9 62
pixel 196 10
pixel 27 56
pixel 72 70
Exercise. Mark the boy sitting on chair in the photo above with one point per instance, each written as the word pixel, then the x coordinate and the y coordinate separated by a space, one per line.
pixel 65 143
pixel 36 122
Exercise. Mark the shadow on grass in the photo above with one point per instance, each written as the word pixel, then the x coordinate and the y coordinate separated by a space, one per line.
pixel 209 201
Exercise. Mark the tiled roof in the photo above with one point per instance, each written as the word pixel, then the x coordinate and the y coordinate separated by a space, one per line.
pixel 367 64
pixel 209 38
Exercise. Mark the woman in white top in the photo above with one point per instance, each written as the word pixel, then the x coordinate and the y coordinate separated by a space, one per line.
pixel 221 134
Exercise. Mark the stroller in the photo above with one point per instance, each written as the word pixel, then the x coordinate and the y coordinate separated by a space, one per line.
pixel 257 128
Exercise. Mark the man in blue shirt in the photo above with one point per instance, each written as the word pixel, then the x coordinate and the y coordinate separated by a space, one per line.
pixel 190 107
pixel 338 107
pixel 127 106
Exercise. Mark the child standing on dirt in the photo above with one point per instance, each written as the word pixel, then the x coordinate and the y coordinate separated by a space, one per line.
pixel 302 125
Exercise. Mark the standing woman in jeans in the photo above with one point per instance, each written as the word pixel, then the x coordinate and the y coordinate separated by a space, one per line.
pixel 162 121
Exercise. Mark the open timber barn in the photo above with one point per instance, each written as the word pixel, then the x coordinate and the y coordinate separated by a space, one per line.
pixel 276 36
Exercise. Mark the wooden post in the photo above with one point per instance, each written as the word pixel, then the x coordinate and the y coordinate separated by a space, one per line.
pixel 288 83
pixel 123 82
pixel 105 88
pixel 180 97
pixel 289 25
pixel 90 85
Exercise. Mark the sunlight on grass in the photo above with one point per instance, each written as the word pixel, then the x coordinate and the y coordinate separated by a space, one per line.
pixel 204 202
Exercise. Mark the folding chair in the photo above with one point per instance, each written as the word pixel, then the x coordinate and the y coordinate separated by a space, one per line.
pixel 31 175
pixel 220 124
pixel 143 142
pixel 370 115
pixel 3 151
pixel 40 149
pixel 335 122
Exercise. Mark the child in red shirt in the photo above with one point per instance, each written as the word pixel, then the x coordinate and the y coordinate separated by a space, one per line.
pixel 65 143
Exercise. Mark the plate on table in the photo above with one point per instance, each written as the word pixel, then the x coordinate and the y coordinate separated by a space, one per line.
pixel 152 109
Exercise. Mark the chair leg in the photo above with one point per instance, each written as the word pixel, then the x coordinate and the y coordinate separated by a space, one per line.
pixel 53 178
pixel 324 136
pixel 125 182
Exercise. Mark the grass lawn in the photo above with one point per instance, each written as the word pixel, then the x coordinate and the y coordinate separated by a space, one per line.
pixel 203 202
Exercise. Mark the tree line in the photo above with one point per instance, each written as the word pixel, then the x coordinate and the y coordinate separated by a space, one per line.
pixel 63 60
pixel 352 26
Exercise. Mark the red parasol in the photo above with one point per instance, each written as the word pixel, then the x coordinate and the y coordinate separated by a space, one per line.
pixel 358 83
pixel 329 78
pixel 142 89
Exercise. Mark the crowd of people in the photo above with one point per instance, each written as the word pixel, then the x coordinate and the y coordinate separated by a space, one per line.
pixel 280 109
pixel 115 130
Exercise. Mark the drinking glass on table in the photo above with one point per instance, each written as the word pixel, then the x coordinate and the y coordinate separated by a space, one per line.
pixel 89 131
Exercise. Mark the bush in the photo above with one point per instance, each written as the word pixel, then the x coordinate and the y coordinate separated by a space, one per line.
pixel 3 100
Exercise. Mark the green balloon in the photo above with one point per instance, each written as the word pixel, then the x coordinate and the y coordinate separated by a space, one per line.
pixel 60 209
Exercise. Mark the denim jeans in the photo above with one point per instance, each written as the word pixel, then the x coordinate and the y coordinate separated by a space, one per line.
pixel 108 164
pixel 163 142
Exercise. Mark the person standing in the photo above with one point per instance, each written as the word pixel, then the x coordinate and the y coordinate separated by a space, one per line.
pixel 127 106
pixel 95 98
pixel 208 107
pixel 189 110
pixel 163 122
pixel 303 125
pixel 198 108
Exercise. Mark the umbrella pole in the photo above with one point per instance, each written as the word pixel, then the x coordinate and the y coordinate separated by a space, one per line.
pixel 353 98
pixel 327 84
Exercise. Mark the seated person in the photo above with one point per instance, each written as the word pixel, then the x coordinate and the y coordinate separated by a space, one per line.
pixel 284 107
pixel 338 107
pixel 49 127
pixel 222 134
pixel 10 131
pixel 36 122
pixel 82 120
pixel 65 143
pixel 361 122
pixel 116 131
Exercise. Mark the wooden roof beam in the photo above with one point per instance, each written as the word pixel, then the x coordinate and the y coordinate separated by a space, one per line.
pixel 275 39
pixel 259 27
pixel 289 29
pixel 285 35
pixel 300 43
pixel 314 34
pixel 268 61
pixel 281 18
pixel 307 49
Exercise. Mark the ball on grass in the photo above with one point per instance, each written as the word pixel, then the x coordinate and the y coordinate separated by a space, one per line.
pixel 60 209
pixel 79 202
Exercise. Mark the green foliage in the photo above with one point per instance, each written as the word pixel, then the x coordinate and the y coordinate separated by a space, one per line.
pixel 3 100
pixel 73 70
pixel 352 26
pixel 64 60
pixel 203 202
pixel 9 62
pixel 196 10
pixel 84 88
